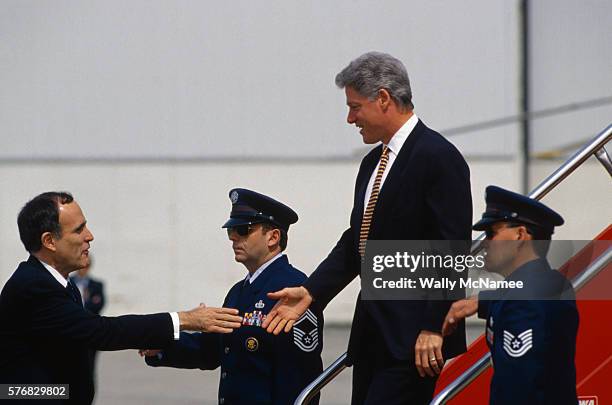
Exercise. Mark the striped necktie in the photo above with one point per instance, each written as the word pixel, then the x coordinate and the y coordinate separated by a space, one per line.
pixel 369 212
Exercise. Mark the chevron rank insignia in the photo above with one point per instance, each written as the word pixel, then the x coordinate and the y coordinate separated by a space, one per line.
pixel 516 346
pixel 305 332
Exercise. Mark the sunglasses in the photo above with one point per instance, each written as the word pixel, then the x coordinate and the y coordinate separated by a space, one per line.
pixel 242 230
pixel 490 233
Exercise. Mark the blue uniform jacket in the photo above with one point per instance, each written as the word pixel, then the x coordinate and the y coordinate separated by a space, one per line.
pixel 531 333
pixel 256 367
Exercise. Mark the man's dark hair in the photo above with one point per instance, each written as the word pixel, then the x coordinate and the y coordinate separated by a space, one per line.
pixel 40 215
pixel 266 226
pixel 541 237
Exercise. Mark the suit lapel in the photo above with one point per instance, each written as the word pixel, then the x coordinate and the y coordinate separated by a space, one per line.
pixel 33 261
pixel 394 177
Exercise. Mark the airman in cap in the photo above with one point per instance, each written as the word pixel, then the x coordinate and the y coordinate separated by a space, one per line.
pixel 505 206
pixel 256 367
pixel 531 331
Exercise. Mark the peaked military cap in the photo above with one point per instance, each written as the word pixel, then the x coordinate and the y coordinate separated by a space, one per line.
pixel 250 207
pixel 507 206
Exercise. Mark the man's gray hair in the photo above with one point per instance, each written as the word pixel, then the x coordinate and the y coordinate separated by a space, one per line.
pixel 374 71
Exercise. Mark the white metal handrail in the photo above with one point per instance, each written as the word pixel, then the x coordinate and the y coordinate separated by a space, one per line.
pixel 322 380
pixel 595 146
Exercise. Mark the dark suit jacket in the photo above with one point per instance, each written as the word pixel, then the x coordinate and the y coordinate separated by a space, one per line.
pixel 46 337
pixel 426 196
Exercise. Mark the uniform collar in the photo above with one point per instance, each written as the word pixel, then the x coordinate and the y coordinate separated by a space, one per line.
pixel 274 266
pixel 250 278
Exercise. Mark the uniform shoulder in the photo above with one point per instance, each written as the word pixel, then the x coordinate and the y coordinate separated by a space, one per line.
pixel 236 285
pixel 548 284
pixel 289 276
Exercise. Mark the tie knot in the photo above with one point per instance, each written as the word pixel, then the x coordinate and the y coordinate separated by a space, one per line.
pixel 385 151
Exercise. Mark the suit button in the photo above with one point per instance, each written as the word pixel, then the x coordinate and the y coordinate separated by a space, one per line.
pixel 226 350
pixel 221 401
pixel 223 375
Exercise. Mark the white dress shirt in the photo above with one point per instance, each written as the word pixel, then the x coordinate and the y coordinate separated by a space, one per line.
pixel 56 274
pixel 395 145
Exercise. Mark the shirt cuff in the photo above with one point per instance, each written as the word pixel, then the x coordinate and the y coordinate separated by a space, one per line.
pixel 176 324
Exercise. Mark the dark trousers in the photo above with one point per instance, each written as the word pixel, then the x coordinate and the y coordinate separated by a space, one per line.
pixel 379 379
pixel 397 384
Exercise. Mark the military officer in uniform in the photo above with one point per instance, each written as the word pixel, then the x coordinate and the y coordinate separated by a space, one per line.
pixel 531 331
pixel 256 367
pixel 91 289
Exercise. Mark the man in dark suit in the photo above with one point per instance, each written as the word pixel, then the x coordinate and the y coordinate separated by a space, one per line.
pixel 531 331
pixel 257 368
pixel 46 333
pixel 413 186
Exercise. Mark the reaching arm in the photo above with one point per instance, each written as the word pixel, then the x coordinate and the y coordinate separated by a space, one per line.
pixel 449 199
pixel 458 311
pixel 292 304
pixel 334 273
pixel 54 315
pixel 209 319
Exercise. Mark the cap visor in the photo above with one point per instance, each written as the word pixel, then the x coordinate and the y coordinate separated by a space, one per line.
pixel 237 221
pixel 242 221
pixel 484 223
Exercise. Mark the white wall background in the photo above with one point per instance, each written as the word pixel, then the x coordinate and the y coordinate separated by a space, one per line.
pixel 163 79
pixel 571 52
pixel 150 111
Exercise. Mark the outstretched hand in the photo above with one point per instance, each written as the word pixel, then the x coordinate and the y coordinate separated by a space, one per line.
pixel 458 311
pixel 210 319
pixel 291 305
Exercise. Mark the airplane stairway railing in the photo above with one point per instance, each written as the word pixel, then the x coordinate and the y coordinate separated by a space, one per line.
pixel 599 263
pixel 595 147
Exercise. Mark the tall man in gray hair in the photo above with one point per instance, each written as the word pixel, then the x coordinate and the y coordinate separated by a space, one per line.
pixel 414 185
